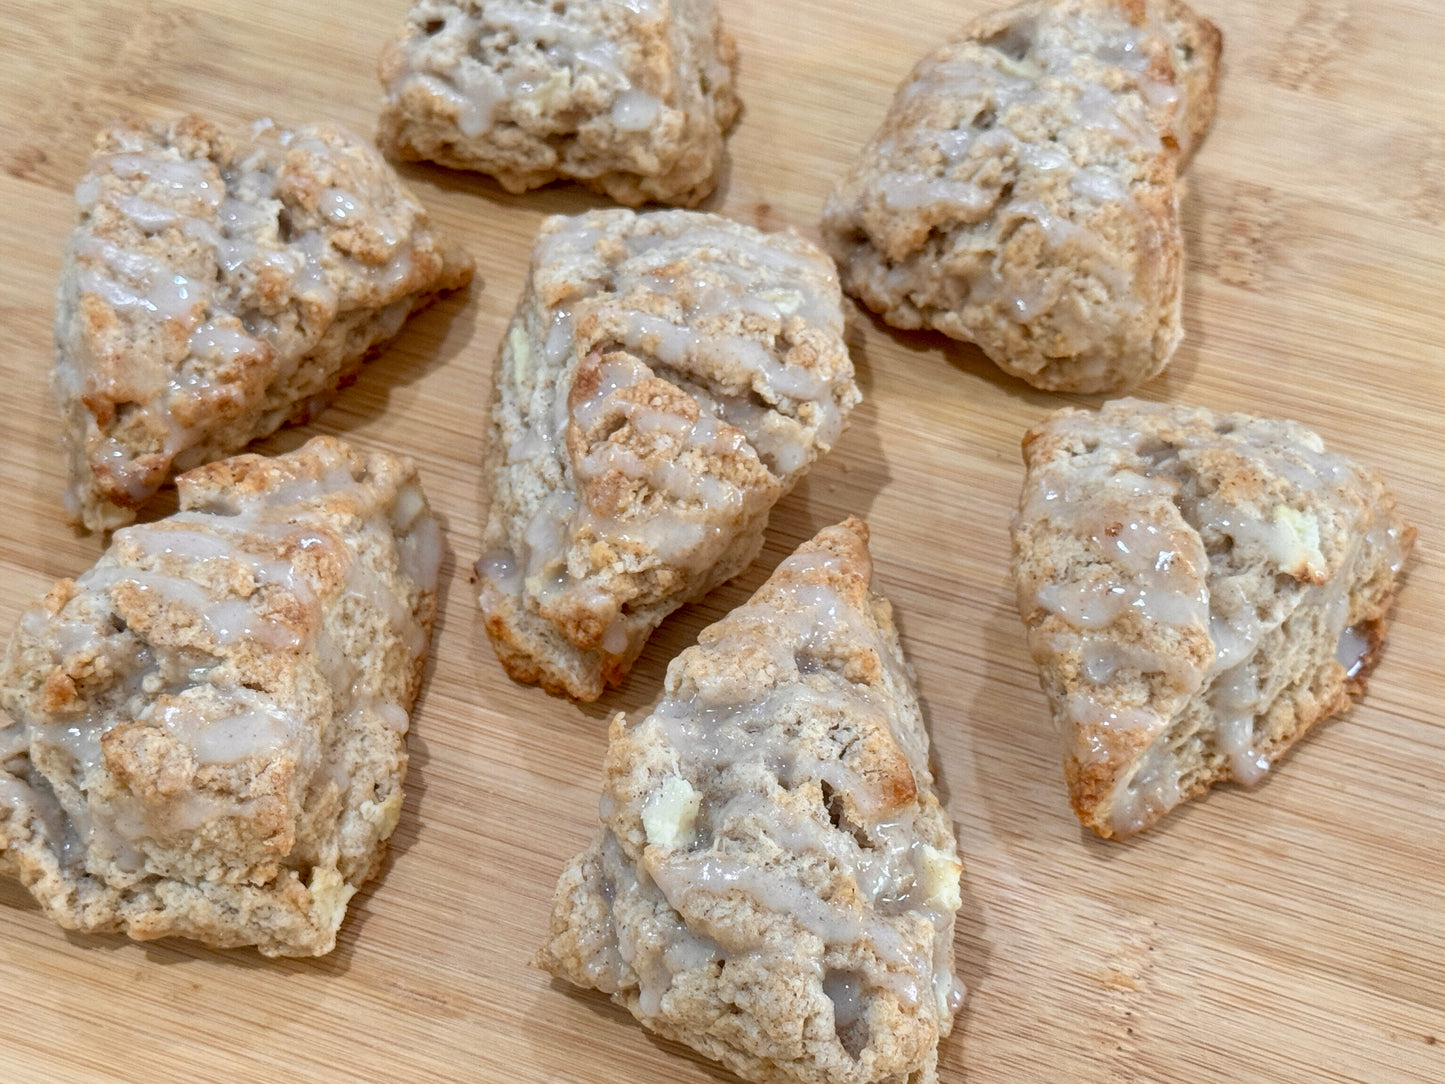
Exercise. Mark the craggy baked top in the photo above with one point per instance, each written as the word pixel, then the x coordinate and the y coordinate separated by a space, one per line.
pixel 203 275
pixel 633 96
pixel 1021 194
pixel 777 810
pixel 666 378
pixel 1157 546
pixel 206 729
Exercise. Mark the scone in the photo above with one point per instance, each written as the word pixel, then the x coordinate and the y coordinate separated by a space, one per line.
pixel 1022 191
pixel 631 99
pixel 206 731
pixel 1199 591
pixel 774 882
pixel 217 288
pixel 666 378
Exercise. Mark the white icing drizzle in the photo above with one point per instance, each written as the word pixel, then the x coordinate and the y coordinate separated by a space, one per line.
pixel 132 281
pixel 230 212
pixel 635 111
pixel 655 320
pixel 740 766
pixel 667 535
pixel 258 731
pixel 1353 650
pixel 217 597
pixel 489 61
pixel 1152 789
pixel 966 129
pixel 1153 569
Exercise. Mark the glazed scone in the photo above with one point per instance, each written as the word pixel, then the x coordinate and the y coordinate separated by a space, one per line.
pixel 1022 191
pixel 206 732
pixel 217 288
pixel 631 99
pixel 774 882
pixel 1199 591
pixel 666 378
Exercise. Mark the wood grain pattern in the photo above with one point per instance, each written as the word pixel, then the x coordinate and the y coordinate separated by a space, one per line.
pixel 1293 933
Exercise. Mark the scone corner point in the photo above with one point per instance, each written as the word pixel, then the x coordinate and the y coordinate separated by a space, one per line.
pixel 1021 193
pixel 666 378
pixel 1199 591
pixel 775 881
pixel 218 286
pixel 206 732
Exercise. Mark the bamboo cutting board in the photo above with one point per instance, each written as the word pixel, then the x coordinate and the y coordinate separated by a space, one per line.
pixel 1292 933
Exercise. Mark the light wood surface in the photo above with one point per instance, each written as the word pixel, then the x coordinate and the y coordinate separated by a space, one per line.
pixel 1292 933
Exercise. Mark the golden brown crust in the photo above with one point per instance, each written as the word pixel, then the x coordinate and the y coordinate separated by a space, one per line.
pixel 632 100
pixel 1198 45
pixel 216 288
pixel 1021 193
pixel 775 882
pixel 1199 591
pixel 665 380
pixel 208 736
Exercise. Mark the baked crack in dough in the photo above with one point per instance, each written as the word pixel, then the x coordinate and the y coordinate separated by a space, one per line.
pixel 631 99
pixel 1022 192
pixel 666 378
pixel 204 735
pixel 217 288
pixel 1199 591
pixel 774 882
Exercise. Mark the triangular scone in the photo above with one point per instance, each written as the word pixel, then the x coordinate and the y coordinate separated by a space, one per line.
pixel 631 99
pixel 207 730
pixel 666 378
pixel 775 882
pixel 217 288
pixel 1022 191
pixel 1199 591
